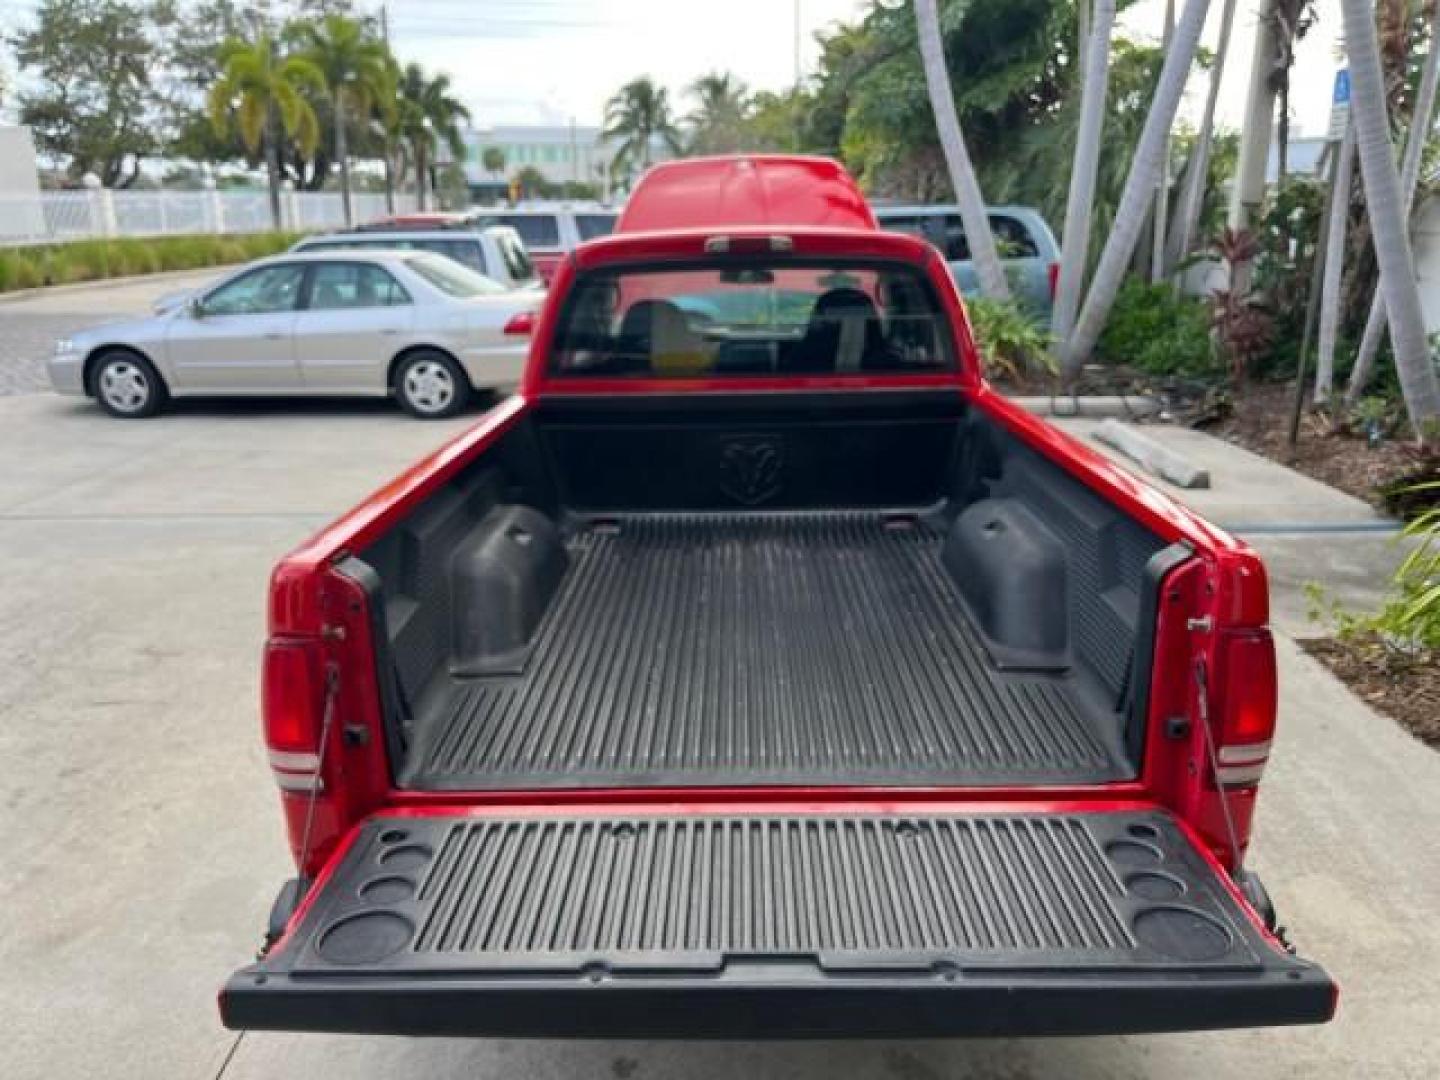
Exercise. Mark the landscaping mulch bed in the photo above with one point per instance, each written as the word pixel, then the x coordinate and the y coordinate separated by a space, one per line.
pixel 1404 686
pixel 1260 422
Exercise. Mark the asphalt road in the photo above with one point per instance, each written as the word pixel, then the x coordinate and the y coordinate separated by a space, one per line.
pixel 145 843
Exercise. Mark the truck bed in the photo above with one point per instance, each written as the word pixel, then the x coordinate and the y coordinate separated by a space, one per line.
pixel 748 647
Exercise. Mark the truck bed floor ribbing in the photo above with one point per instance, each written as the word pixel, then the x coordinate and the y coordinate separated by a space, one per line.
pixel 758 648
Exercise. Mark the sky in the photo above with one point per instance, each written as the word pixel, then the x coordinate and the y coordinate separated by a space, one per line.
pixel 547 61
pixel 544 61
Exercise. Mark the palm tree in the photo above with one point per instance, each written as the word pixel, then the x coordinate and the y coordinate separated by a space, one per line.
pixel 1421 120
pixel 493 160
pixel 1139 189
pixel 717 121
pixel 1333 268
pixel 354 63
pixel 430 113
pixel 1080 203
pixel 1197 172
pixel 387 122
pixel 1419 384
pixel 957 158
pixel 638 114
pixel 266 93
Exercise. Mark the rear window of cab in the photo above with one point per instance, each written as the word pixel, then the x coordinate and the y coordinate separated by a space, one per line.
pixel 781 318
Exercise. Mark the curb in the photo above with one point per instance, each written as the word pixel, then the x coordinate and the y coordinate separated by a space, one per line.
pixel 18 295
pixel 1096 407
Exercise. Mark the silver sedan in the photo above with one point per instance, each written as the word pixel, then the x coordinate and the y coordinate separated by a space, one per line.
pixel 413 324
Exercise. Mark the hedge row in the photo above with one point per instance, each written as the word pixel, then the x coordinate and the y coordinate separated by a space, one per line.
pixel 91 260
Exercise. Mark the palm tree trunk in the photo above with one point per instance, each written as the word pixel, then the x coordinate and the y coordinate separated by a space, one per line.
pixel 1192 195
pixel 962 174
pixel 1139 189
pixel 1079 204
pixel 422 175
pixel 1421 122
pixel 272 168
pixel 1161 220
pixel 1419 383
pixel 1249 189
pixel 342 155
pixel 1334 267
pixel 389 179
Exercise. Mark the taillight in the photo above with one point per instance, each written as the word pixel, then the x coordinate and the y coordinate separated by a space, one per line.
pixel 1054 275
pixel 1246 704
pixel 291 698
pixel 521 325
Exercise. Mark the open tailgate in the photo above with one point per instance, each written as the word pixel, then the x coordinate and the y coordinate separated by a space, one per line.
pixel 741 924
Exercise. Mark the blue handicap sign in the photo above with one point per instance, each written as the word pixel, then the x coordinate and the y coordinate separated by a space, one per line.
pixel 1342 87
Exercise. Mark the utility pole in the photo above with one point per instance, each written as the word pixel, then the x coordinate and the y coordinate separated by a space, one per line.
pixel 385 24
pixel 574 160
pixel 797 46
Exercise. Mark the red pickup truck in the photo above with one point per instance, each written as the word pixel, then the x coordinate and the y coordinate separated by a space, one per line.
pixel 758 670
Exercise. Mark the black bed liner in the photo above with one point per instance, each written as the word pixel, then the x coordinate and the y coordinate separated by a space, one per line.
pixel 712 648
pixel 901 924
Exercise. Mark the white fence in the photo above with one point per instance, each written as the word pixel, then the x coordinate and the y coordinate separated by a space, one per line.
pixel 80 215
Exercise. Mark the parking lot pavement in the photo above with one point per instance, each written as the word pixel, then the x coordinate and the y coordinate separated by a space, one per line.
pixel 1307 531
pixel 30 324
pixel 144 843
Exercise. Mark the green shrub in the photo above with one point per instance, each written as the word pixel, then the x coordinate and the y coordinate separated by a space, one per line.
pixel 1409 619
pixel 1157 329
pixel 92 260
pixel 1012 344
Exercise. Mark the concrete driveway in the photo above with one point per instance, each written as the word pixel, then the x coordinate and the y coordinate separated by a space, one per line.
pixel 145 843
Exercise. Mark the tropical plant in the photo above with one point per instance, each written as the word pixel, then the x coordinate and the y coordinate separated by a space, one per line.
pixel 1419 383
pixel 717 123
pixel 1243 325
pixel 637 115
pixel 354 63
pixel 1075 245
pixel 952 141
pixel 430 113
pixel 1421 119
pixel 264 94
pixel 530 182
pixel 492 159
pixel 1158 330
pixel 1145 173
pixel 1012 345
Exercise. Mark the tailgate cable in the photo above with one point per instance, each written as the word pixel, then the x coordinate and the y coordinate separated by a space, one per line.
pixel 332 689
pixel 1202 698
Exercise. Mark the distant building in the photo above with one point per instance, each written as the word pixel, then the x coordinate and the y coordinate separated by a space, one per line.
pixel 1304 156
pixel 564 154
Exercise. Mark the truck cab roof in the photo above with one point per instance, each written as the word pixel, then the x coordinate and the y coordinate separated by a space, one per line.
pixel 754 190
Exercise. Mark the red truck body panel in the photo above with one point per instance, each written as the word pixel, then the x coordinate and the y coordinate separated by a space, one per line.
pixel 750 201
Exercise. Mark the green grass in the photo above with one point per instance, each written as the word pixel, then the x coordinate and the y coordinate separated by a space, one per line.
pixel 93 260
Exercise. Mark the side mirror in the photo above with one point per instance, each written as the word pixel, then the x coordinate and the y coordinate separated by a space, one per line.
pixel 196 307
